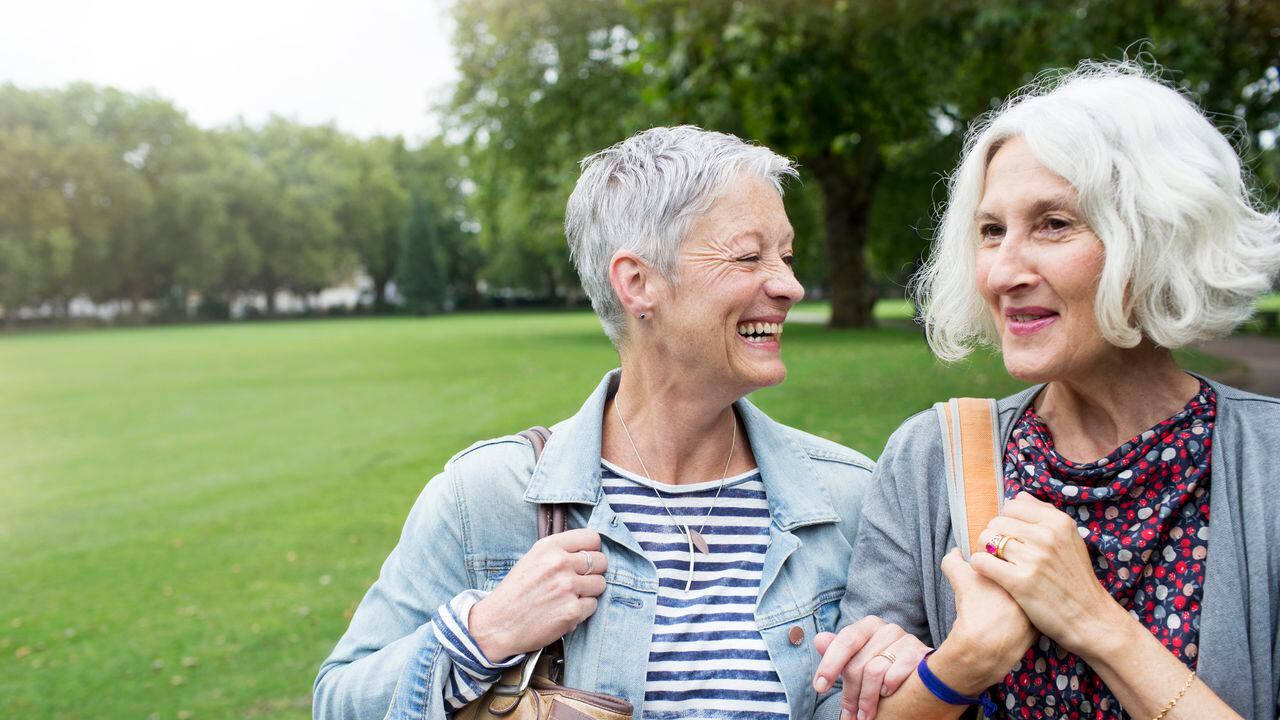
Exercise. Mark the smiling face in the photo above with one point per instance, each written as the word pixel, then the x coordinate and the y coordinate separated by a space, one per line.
pixel 1038 264
pixel 722 321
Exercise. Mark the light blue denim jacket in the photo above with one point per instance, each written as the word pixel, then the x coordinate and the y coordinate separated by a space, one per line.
pixel 476 519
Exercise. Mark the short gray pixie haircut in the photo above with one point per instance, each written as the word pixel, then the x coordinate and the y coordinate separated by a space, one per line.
pixel 1188 248
pixel 644 194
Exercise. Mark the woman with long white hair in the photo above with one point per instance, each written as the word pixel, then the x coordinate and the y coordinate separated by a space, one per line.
pixel 1096 223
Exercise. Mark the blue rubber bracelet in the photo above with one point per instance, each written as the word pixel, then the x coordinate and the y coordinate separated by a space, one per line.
pixel 940 689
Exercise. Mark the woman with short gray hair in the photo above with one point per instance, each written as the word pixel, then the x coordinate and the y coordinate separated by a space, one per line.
pixel 708 543
pixel 1097 222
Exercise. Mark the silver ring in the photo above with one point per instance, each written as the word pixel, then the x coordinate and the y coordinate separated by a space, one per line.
pixel 591 563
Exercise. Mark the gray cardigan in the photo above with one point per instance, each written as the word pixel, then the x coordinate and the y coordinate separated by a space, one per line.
pixel 906 531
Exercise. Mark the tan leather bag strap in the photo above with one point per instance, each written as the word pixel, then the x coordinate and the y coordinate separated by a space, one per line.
pixel 975 478
pixel 550 517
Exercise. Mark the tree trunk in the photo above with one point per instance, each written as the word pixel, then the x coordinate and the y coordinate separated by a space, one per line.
pixel 380 295
pixel 271 302
pixel 848 189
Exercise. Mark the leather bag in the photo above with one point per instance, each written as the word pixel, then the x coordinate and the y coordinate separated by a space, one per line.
pixel 531 690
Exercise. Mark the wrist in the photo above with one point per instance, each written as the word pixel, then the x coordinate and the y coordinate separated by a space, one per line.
pixel 489 636
pixel 965 667
pixel 1113 634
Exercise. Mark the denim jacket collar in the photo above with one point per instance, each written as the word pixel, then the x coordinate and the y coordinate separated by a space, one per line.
pixel 569 469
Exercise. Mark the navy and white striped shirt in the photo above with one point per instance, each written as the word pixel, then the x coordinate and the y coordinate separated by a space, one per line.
pixel 707 658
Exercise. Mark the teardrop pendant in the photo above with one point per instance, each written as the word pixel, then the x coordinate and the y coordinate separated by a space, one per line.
pixel 688 534
pixel 698 541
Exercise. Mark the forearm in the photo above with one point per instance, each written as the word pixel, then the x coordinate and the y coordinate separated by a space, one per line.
pixel 956 665
pixel 913 701
pixel 351 688
pixel 1145 676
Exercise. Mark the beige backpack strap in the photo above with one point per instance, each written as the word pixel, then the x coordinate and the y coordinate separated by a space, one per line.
pixel 975 478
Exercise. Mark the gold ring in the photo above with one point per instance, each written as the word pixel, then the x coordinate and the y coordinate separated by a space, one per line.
pixel 995 546
pixel 887 656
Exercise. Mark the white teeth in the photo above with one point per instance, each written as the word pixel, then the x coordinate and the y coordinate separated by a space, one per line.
pixel 759 329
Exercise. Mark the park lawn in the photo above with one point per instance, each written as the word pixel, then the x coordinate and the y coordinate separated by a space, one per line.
pixel 190 514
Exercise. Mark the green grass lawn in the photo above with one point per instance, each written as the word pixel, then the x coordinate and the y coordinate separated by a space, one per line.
pixel 189 515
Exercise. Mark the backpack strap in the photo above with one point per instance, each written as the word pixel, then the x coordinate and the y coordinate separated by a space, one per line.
pixel 975 478
pixel 551 516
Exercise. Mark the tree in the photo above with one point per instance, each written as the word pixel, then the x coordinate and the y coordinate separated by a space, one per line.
pixel 542 84
pixel 421 275
pixel 372 210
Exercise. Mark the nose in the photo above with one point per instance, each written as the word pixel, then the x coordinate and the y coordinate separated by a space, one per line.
pixel 1010 267
pixel 783 285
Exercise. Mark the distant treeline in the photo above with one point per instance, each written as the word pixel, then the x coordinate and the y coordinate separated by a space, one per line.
pixel 118 197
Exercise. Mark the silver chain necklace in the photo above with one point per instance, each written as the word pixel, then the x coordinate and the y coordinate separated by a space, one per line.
pixel 693 536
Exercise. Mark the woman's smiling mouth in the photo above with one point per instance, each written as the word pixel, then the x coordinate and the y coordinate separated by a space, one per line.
pixel 1023 321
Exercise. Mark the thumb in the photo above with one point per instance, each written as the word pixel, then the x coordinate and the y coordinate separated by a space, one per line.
pixel 957 571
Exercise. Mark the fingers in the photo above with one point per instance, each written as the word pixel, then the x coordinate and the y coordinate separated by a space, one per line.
pixel 841 650
pixel 586 608
pixel 1026 507
pixel 589 585
pixel 872 682
pixel 598 563
pixel 956 570
pixel 1002 573
pixel 908 649
pixel 822 641
pixel 869 666
pixel 1015 533
pixel 575 540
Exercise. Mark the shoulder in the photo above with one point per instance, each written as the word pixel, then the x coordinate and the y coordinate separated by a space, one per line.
pixel 495 469
pixel 822 450
pixel 1247 404
pixel 490 474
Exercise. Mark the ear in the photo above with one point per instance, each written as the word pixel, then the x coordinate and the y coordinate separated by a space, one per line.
pixel 633 282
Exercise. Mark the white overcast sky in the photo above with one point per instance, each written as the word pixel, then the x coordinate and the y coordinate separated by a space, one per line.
pixel 370 66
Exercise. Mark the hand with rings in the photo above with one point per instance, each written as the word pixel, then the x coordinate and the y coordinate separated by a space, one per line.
pixel 548 593
pixel 873 658
pixel 1035 552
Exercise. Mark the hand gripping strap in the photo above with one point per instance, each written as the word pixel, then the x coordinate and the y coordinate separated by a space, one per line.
pixel 975 480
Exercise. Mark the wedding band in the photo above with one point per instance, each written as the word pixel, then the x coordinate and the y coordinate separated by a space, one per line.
pixel 887 656
pixel 591 563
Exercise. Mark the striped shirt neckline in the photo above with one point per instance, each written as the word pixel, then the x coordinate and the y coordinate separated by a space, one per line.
pixel 707 658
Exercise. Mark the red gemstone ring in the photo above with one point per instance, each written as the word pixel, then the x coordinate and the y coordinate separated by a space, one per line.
pixel 995 546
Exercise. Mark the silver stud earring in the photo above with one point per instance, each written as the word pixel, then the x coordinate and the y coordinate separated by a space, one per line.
pixel 641 316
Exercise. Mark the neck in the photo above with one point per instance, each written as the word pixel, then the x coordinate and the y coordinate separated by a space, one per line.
pixel 681 435
pixel 1092 414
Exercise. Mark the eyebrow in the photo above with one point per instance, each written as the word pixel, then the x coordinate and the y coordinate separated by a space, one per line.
pixel 1063 201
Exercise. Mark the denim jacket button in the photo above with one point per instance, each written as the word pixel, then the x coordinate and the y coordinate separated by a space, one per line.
pixel 796 635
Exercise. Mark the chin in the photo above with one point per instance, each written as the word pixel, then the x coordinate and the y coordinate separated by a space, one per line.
pixel 763 377
pixel 1029 369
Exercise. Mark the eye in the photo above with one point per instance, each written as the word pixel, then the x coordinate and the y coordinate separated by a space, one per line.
pixel 991 232
pixel 749 258
pixel 790 260
pixel 1056 224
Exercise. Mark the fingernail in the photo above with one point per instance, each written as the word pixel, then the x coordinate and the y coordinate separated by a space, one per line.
pixel 820 683
pixel 862 715
pixel 884 691
pixel 844 715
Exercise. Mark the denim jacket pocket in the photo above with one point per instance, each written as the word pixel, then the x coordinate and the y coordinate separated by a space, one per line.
pixel 488 571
